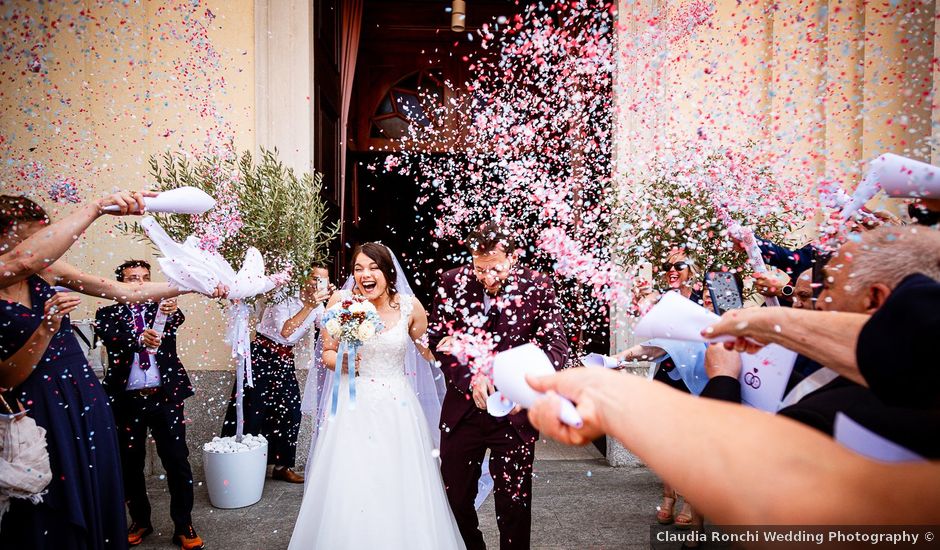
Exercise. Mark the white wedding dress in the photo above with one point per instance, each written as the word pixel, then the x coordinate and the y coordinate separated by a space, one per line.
pixel 375 480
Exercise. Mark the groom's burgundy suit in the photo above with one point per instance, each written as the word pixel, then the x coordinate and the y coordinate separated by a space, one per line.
pixel 525 311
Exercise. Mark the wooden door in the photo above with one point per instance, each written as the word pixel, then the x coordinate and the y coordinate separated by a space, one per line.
pixel 327 21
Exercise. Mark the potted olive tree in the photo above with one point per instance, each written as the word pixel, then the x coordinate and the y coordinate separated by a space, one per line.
pixel 263 205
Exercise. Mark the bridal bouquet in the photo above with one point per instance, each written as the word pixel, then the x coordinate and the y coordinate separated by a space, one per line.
pixel 352 321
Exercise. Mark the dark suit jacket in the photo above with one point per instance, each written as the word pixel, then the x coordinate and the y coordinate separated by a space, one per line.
pixel 917 430
pixel 897 348
pixel 529 313
pixel 115 326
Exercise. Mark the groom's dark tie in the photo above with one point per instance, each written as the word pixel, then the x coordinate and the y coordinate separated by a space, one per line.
pixel 492 317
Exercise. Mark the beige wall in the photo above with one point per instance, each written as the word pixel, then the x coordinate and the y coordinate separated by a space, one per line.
pixel 110 105
pixel 830 83
pixel 834 83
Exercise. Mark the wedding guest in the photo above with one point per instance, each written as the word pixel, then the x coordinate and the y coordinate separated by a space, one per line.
pixel 889 264
pixel 679 274
pixel 818 405
pixel 896 350
pixel 804 295
pixel 47 370
pixel 48 241
pixel 147 391
pixel 749 468
pixel 785 264
pixel 493 298
pixel 739 446
pixel 679 365
pixel 272 405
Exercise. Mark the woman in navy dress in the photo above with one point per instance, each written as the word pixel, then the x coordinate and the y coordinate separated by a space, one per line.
pixel 84 505
pixel 41 361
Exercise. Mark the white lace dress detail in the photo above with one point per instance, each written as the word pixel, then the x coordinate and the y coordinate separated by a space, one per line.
pixel 374 469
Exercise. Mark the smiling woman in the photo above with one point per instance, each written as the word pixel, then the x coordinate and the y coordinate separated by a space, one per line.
pixel 374 271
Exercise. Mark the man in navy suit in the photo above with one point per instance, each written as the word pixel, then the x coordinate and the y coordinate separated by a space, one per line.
pixel 147 390
pixel 499 299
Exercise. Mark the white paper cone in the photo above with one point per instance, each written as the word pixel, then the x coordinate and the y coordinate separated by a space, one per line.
pixel 250 279
pixel 677 318
pixel 186 266
pixel 183 200
pixel 510 368
pixel 498 405
pixel 902 177
pixel 899 177
pixel 596 360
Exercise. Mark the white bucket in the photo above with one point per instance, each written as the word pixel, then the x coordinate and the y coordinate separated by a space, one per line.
pixel 235 480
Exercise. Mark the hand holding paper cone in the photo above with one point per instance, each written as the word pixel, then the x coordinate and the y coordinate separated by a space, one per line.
pixel 510 368
pixel 899 177
pixel 677 318
pixel 184 200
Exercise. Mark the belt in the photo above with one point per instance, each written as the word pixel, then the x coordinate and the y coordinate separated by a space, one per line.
pixel 280 349
pixel 145 392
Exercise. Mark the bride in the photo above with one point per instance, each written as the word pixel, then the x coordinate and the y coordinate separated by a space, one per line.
pixel 373 480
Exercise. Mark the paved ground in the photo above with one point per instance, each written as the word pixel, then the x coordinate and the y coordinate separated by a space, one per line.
pixel 579 502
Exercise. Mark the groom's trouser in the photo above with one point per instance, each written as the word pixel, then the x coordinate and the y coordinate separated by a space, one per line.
pixel 272 406
pixel 462 452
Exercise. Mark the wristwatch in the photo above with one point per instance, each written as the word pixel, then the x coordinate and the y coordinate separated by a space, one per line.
pixel 787 290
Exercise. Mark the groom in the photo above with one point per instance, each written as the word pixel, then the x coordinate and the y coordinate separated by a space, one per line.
pixel 514 306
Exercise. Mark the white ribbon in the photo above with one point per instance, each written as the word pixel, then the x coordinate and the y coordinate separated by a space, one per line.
pixel 191 268
pixel 238 334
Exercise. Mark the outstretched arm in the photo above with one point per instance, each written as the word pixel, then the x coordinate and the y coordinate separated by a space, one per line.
pixel 827 337
pixel 69 276
pixel 46 246
pixel 749 467
pixel 294 328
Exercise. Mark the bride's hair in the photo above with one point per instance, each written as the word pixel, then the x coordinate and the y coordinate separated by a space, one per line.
pixel 379 254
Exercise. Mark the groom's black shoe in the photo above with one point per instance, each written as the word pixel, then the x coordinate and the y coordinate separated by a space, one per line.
pixel 287 474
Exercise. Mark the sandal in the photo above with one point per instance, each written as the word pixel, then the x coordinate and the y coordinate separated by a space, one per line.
pixel 666 512
pixel 684 518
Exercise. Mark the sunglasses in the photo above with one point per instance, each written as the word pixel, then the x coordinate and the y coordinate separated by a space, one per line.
pixel 678 266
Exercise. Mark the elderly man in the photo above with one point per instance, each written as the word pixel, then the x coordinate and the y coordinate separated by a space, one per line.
pixel 859 279
pixel 877 264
